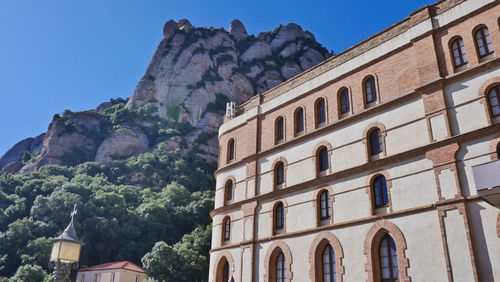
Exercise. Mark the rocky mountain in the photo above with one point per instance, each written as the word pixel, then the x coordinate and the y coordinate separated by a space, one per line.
pixel 181 99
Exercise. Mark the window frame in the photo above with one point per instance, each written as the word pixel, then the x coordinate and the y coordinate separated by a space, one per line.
pixel 344 109
pixel 332 265
pixel 322 160
pixel 281 267
pixel 279 175
pixel 231 150
pixel 392 256
pixel 229 191
pixel 299 120
pixel 383 192
pixel 461 52
pixel 279 130
pixel 375 142
pixel 226 230
pixel 279 218
pixel 320 112
pixel 373 90
pixel 483 38
pixel 324 205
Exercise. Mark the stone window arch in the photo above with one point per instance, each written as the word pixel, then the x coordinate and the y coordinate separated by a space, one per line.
pixel 299 121
pixel 274 216
pixel 229 187
pixel 489 94
pixel 278 173
pixel 372 186
pixel 375 138
pixel 495 149
pixel 223 262
pixel 319 158
pixel 371 250
pixel 371 91
pixel 320 205
pixel 344 101
pixel 277 248
pixel 315 256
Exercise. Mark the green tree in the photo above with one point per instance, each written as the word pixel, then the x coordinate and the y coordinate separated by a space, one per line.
pixel 28 272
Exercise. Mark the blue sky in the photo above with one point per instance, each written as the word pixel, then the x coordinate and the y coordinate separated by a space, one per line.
pixel 60 54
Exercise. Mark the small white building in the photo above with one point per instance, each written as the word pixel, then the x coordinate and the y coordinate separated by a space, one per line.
pixel 122 271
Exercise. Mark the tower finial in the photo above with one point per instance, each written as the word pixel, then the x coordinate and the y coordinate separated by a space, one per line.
pixel 74 212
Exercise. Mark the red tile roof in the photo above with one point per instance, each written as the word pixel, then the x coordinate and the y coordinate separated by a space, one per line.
pixel 115 265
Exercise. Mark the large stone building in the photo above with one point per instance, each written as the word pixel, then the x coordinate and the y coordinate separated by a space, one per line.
pixel 379 164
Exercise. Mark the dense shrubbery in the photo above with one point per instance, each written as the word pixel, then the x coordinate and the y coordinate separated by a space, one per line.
pixel 171 196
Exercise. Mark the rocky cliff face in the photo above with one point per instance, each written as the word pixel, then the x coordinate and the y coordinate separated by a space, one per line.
pixel 194 72
pixel 193 65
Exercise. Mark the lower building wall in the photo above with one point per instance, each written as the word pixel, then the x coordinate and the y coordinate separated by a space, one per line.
pixel 434 241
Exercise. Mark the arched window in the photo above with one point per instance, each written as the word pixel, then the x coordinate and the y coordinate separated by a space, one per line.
pixel 328 264
pixel 458 52
pixel 380 196
pixel 299 121
pixel 225 272
pixel 230 150
pixel 320 111
pixel 322 157
pixel 494 100
pixel 279 174
pixel 227 229
pixel 280 268
pixel 388 259
pixel 483 42
pixel 279 129
pixel 324 205
pixel 376 142
pixel 229 191
pixel 370 90
pixel 279 214
pixel 344 101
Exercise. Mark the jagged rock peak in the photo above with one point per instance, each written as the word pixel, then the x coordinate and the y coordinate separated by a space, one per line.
pixel 169 28
pixel 238 30
pixel 184 23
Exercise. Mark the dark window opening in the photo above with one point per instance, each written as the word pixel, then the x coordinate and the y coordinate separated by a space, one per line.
pixel 344 101
pixel 280 173
pixel 370 90
pixel 299 121
pixel 320 111
pixel 323 159
pixel 380 196
pixel 324 200
pixel 280 217
pixel 376 144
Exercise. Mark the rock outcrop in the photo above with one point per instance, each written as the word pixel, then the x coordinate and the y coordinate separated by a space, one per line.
pixel 14 154
pixel 122 144
pixel 190 66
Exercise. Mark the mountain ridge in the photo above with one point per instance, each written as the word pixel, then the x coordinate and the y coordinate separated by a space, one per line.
pixel 193 73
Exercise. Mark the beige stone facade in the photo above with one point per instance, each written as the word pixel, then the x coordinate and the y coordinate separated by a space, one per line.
pixel 396 168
